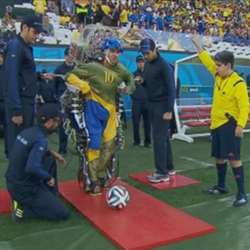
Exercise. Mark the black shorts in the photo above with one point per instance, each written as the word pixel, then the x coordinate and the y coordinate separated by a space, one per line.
pixel 225 145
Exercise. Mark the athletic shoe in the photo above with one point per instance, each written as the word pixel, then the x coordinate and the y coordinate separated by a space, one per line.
pixel 216 190
pixel 157 178
pixel 241 200
pixel 171 172
pixel 17 212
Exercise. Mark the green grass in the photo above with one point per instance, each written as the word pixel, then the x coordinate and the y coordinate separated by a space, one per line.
pixel 192 159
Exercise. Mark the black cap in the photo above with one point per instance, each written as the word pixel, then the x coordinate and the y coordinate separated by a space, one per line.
pixel 34 22
pixel 146 45
pixel 139 58
pixel 48 111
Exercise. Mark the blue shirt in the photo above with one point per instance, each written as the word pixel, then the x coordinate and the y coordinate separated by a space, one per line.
pixel 26 158
pixel 20 75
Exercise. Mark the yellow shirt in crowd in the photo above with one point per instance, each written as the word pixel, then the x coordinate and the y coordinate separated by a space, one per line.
pixel 40 6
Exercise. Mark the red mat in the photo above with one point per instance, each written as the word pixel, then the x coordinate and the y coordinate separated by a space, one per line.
pixel 145 223
pixel 5 202
pixel 176 181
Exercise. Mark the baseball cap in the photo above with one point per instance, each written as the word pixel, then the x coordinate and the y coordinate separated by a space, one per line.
pixel 48 111
pixel 34 22
pixel 139 58
pixel 146 45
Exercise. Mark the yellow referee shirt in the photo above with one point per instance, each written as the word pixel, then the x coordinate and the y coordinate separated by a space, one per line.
pixel 230 96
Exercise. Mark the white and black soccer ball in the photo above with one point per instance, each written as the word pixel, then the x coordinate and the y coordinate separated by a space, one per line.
pixel 117 197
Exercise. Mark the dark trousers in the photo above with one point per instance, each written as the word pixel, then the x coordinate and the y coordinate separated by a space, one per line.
pixel 3 125
pixel 162 149
pixel 40 201
pixel 140 109
pixel 12 130
pixel 63 139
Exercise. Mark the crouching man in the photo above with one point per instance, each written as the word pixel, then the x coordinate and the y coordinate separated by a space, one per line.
pixel 31 174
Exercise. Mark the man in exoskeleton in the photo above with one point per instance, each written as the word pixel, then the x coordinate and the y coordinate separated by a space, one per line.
pixel 100 82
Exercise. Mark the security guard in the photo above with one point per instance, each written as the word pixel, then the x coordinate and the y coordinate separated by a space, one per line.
pixel 140 105
pixel 31 174
pixel 20 85
pixel 60 87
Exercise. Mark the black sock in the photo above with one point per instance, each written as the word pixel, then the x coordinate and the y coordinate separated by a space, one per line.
pixel 221 174
pixel 239 178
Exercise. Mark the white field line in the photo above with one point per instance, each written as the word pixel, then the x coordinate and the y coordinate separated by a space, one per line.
pixel 203 164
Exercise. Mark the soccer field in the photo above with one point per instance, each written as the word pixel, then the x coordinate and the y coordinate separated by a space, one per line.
pixel 192 160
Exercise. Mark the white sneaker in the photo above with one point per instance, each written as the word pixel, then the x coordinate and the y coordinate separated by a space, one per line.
pixel 172 172
pixel 157 178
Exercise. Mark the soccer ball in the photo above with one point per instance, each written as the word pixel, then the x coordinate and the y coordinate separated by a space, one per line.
pixel 117 197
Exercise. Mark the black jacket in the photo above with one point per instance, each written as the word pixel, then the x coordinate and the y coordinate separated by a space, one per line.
pixel 20 75
pixel 159 81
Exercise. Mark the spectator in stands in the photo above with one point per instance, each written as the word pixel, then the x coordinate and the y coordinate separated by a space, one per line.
pixel 31 175
pixel 53 7
pixel 60 87
pixel 229 115
pixel 158 78
pixel 8 23
pixel 47 26
pixel 140 106
pixel 68 6
pixel 40 6
pixel 20 86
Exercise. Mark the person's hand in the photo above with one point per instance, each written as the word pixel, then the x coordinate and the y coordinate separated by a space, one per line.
pixel 239 131
pixel 48 76
pixel 58 157
pixel 167 116
pixel 51 182
pixel 138 80
pixel 17 120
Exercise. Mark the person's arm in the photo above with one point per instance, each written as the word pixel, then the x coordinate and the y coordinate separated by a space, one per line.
pixel 129 81
pixel 34 164
pixel 241 95
pixel 168 78
pixel 13 64
pixel 204 56
pixel 58 157
pixel 74 80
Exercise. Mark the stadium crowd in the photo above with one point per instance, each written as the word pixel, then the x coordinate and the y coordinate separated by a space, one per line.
pixel 227 19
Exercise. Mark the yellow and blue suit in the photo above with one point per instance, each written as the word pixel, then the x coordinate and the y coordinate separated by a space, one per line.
pixel 99 85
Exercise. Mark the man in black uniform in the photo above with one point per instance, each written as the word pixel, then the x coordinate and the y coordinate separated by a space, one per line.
pixel 20 86
pixel 31 174
pixel 158 78
pixel 60 87
pixel 140 105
